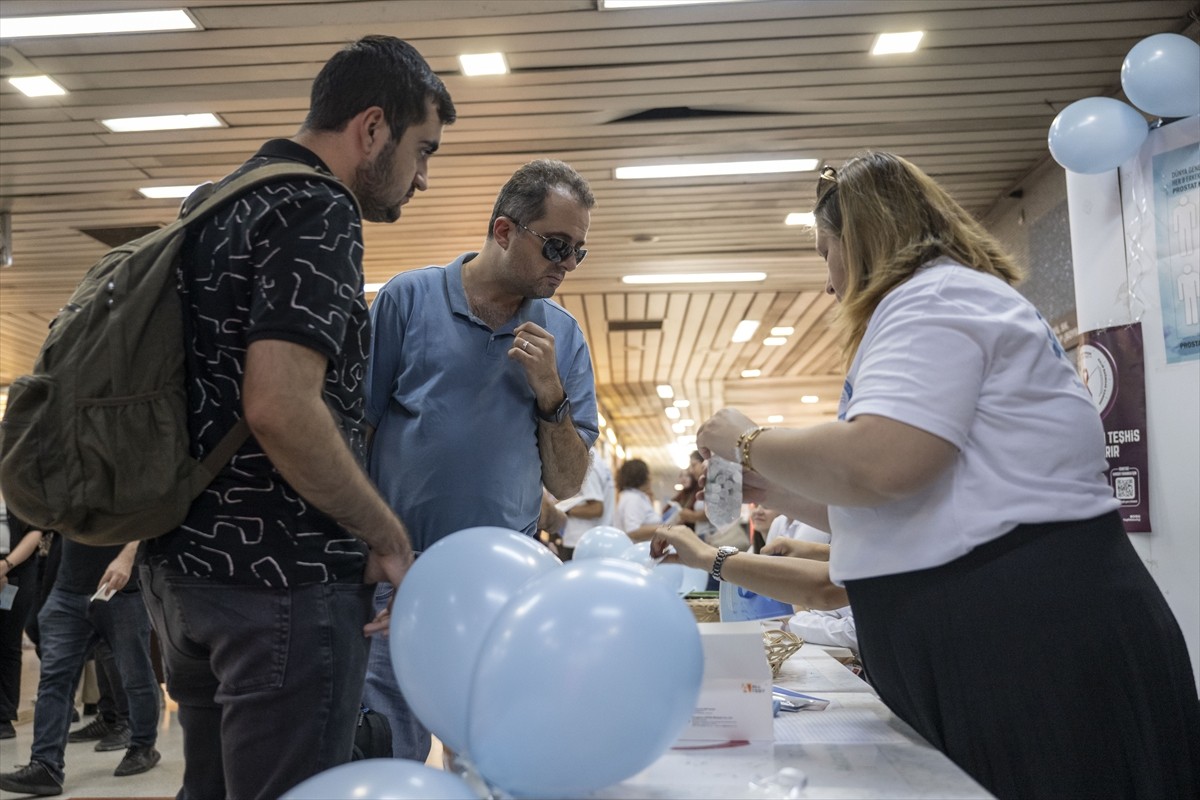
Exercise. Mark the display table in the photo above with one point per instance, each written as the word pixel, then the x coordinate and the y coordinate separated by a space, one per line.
pixel 855 748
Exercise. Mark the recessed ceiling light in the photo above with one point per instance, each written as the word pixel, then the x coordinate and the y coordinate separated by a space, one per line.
pixel 167 192
pixel 176 19
pixel 774 341
pixel 783 330
pixel 483 64
pixel 715 168
pixel 678 427
pixel 37 86
pixel 775 419
pixel 681 403
pixel 611 434
pixel 167 122
pixel 672 412
pixel 600 418
pixel 744 330
pixel 372 288
pixel 665 391
pixel 687 423
pixel 751 373
pixel 889 43
pixel 809 398
pixel 616 5
pixel 698 277
pixel 800 218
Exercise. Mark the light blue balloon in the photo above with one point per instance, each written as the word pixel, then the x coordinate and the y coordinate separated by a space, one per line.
pixel 602 541
pixel 1096 134
pixel 694 580
pixel 382 779
pixel 443 610
pixel 669 574
pixel 588 675
pixel 1161 75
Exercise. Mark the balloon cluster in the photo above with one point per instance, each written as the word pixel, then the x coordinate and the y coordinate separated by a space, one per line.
pixel 1160 75
pixel 549 680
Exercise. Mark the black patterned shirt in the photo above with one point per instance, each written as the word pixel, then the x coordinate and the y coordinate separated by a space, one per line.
pixel 282 262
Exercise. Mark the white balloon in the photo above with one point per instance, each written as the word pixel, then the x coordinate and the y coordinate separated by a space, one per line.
pixel 1161 75
pixel 602 541
pixel 1096 134
pixel 382 778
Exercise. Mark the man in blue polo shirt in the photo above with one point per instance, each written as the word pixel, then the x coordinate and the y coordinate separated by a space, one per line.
pixel 480 389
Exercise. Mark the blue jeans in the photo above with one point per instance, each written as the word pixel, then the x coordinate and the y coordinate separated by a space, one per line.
pixel 267 680
pixel 410 739
pixel 70 624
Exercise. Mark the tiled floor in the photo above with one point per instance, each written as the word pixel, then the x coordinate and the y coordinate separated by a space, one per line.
pixel 89 774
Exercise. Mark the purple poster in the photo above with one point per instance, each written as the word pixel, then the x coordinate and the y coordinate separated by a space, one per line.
pixel 1113 370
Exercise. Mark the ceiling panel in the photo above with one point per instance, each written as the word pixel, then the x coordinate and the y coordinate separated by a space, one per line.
pixel 782 78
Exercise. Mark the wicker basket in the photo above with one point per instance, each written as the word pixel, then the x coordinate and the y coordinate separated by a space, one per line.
pixel 780 646
pixel 705 606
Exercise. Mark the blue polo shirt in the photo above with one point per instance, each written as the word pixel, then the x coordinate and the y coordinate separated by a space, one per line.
pixel 455 419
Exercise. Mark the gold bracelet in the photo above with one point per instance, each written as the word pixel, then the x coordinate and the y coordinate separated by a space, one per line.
pixel 744 442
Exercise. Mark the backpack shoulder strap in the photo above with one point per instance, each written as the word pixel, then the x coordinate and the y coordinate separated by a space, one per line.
pixel 252 179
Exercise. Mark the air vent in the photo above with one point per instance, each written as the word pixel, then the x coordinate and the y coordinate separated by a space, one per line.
pixel 114 237
pixel 616 325
pixel 684 112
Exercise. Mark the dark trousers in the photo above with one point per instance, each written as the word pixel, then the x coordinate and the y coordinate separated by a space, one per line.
pixel 71 624
pixel 1045 663
pixel 268 681
pixel 12 625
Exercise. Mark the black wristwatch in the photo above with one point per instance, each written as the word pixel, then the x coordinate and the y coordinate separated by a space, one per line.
pixel 557 415
pixel 722 553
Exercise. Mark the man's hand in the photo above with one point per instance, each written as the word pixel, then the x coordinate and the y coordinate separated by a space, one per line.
pixel 119 569
pixel 390 568
pixel 533 349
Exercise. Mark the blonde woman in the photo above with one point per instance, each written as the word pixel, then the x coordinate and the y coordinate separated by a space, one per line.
pixel 1001 609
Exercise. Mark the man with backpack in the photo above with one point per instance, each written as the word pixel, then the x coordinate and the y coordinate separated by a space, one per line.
pixel 260 597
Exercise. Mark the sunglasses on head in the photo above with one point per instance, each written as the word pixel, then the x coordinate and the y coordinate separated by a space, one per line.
pixel 554 249
pixel 826 180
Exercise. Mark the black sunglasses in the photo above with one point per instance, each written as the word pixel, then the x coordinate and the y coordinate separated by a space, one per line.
pixel 555 250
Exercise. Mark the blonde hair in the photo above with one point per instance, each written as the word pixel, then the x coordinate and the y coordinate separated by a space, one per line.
pixel 891 219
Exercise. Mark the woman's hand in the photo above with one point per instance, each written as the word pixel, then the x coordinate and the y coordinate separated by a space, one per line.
pixel 689 549
pixel 720 434
pixel 797 549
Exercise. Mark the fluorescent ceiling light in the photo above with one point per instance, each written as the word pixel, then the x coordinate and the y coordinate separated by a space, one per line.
pixel 681 403
pixel 687 423
pixel 809 398
pixel 751 373
pixel 612 436
pixel 372 288
pixel 37 86
pixel 783 330
pixel 620 452
pixel 615 5
pixel 600 418
pixel 168 122
pixel 699 277
pixel 888 43
pixel 665 391
pixel 716 168
pixel 774 341
pixel 167 192
pixel 83 24
pixel 744 330
pixel 775 419
pixel 483 64
pixel 678 427
pixel 800 218
pixel 672 412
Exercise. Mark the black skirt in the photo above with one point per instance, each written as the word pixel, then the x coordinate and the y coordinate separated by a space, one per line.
pixel 1045 663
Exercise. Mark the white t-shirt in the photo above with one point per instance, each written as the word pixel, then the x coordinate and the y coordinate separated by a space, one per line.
pixel 964 356
pixel 597 485
pixel 635 509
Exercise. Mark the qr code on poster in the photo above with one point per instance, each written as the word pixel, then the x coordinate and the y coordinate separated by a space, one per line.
pixel 1125 488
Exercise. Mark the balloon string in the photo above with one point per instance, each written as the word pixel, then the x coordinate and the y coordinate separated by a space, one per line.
pixel 1138 219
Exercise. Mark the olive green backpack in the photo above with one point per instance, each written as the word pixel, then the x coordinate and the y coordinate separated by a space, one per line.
pixel 95 444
